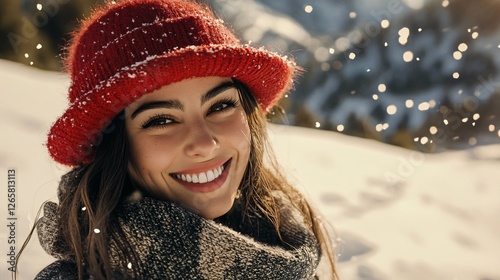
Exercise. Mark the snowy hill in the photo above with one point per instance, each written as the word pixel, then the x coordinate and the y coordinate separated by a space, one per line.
pixel 399 214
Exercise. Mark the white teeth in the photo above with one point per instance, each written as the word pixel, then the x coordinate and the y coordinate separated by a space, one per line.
pixel 202 177
pixel 210 175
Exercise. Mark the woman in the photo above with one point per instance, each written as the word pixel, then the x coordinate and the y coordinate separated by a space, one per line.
pixel 172 177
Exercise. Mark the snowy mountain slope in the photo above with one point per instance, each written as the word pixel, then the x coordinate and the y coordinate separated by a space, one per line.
pixel 403 215
pixel 399 214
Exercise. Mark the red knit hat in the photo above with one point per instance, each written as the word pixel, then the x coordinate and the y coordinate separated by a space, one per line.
pixel 135 47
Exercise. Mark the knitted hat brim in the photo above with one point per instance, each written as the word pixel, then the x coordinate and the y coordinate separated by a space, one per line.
pixel 267 75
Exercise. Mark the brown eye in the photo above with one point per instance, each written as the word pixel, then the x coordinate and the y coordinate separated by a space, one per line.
pixel 219 107
pixel 222 105
pixel 158 122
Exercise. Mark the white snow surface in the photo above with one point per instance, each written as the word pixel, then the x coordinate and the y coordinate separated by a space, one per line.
pixel 399 214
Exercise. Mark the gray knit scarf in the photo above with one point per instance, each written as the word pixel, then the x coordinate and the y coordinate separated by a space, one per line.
pixel 173 243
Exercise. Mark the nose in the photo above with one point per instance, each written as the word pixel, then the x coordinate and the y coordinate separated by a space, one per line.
pixel 200 141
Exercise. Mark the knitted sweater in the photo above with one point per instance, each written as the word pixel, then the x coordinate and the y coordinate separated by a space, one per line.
pixel 173 243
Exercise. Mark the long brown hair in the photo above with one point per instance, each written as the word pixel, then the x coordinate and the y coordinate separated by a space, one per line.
pixel 264 176
pixel 99 186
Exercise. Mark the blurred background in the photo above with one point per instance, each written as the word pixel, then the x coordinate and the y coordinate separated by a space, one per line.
pixel 418 74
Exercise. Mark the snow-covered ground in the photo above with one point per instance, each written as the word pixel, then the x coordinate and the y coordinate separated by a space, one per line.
pixel 399 214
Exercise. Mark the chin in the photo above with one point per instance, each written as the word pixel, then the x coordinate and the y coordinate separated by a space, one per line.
pixel 215 209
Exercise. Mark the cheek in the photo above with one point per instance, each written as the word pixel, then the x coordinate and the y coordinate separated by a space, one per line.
pixel 237 132
pixel 147 156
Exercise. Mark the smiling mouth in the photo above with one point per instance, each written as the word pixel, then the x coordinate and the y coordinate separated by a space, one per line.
pixel 202 177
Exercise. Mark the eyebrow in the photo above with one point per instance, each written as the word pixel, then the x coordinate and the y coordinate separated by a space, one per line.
pixel 176 104
pixel 216 91
pixel 170 104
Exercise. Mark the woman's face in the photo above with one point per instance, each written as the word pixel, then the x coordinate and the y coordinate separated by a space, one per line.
pixel 190 144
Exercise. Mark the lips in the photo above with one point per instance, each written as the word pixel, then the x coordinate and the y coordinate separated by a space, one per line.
pixel 203 181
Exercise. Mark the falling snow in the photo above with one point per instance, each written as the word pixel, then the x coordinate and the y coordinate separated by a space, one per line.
pixel 392 109
pixel 424 106
pixel 382 87
pixel 404 34
pixel 408 56
pixel 385 23
pixel 433 130
pixel 463 47
pixel 409 103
